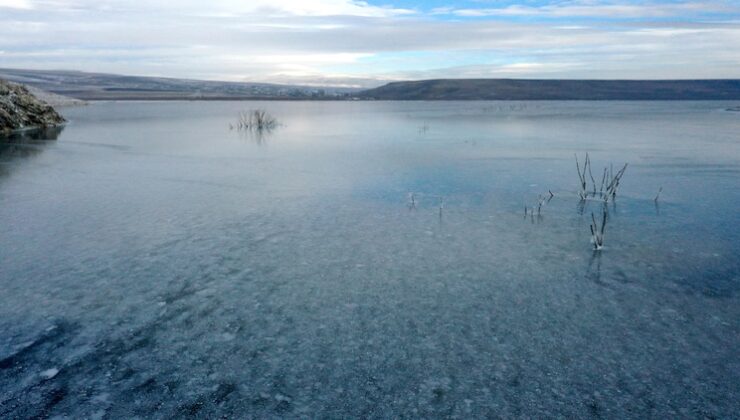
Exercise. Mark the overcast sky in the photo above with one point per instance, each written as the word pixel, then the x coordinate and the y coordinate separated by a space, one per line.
pixel 363 42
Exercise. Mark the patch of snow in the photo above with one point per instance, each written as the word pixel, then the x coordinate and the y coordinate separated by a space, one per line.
pixel 49 373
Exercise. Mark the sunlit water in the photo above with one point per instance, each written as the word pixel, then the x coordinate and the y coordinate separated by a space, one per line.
pixel 155 263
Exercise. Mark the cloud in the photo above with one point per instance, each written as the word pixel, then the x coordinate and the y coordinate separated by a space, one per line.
pixel 15 4
pixel 641 10
pixel 221 8
pixel 316 41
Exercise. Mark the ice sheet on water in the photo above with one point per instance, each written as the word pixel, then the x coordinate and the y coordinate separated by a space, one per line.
pixel 293 280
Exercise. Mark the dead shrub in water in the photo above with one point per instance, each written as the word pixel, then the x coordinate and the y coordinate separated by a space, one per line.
pixel 257 119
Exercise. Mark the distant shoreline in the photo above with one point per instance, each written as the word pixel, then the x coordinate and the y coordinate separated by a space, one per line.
pixel 231 99
pixel 111 87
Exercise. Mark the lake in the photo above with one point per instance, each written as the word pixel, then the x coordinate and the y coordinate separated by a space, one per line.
pixel 371 259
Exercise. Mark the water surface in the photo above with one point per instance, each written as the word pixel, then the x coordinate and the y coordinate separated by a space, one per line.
pixel 156 263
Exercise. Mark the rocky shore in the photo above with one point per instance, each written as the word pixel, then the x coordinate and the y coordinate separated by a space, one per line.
pixel 21 110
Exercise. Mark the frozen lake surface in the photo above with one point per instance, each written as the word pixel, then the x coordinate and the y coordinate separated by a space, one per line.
pixel 155 263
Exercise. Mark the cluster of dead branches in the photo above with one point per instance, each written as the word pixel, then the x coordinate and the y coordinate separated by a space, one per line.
pixel 541 202
pixel 257 119
pixel 605 191
pixel 609 181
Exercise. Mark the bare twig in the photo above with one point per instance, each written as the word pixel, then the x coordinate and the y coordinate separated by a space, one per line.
pixel 611 189
pixel 588 163
pixel 582 177
pixel 540 202
pixel 412 204
pixel 603 181
pixel 597 232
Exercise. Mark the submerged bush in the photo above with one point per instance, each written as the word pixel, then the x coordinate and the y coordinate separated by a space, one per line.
pixel 257 119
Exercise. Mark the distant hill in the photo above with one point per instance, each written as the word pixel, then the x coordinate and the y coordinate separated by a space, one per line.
pixel 522 89
pixel 101 86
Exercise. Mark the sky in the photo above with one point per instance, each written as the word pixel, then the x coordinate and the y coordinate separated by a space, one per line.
pixel 365 43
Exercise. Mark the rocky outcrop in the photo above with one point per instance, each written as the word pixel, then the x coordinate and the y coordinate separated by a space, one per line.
pixel 21 110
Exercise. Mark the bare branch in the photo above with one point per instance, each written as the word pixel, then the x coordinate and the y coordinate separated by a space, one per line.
pixel 658 196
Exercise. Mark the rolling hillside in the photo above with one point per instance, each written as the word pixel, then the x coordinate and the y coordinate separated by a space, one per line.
pixel 520 89
pixel 100 86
